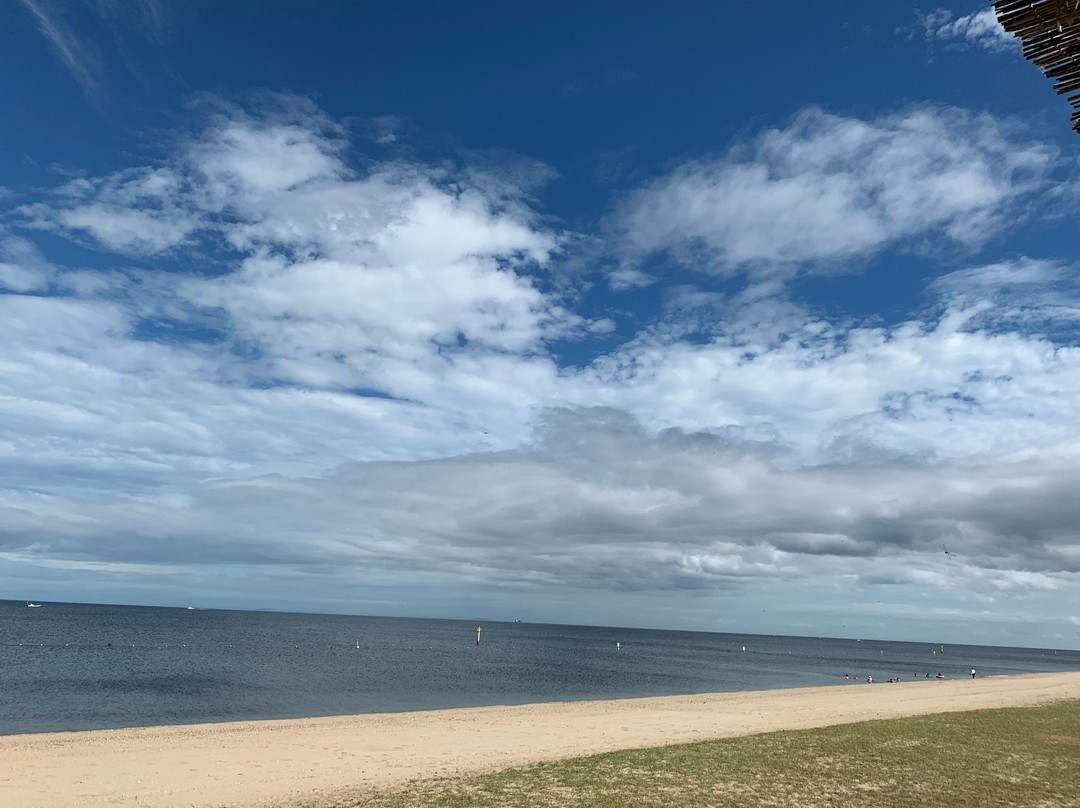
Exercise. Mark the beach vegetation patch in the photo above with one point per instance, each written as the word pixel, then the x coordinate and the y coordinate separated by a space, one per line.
pixel 1023 757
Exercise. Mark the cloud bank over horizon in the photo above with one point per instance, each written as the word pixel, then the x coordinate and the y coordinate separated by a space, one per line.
pixel 286 361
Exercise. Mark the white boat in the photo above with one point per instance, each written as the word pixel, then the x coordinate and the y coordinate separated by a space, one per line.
pixel 33 605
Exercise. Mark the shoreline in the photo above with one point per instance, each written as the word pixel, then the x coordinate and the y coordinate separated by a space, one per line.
pixel 276 762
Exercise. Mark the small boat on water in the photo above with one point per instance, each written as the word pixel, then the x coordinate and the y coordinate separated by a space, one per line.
pixel 33 605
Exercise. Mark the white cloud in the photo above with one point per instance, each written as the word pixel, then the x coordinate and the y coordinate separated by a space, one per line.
pixel 141 212
pixel 242 159
pixel 625 278
pixel 399 280
pixel 940 387
pixel 135 231
pixel 600 506
pixel 22 266
pixel 828 189
pixel 407 281
pixel 979 29
pixel 86 404
pixel 1034 297
pixel 349 384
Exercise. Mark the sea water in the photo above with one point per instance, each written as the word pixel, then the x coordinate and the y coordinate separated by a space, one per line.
pixel 79 666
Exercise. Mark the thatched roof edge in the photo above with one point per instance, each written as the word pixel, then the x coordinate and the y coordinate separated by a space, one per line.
pixel 1050 33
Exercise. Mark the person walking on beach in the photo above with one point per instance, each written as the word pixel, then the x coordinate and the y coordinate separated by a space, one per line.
pixel 972 673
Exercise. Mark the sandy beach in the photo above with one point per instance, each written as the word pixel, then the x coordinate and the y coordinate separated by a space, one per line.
pixel 272 763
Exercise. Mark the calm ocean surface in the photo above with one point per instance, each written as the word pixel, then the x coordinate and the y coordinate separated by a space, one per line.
pixel 77 666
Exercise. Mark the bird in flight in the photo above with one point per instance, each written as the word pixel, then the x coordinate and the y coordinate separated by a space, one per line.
pixel 946 551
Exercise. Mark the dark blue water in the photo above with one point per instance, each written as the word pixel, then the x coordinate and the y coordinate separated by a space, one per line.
pixel 79 666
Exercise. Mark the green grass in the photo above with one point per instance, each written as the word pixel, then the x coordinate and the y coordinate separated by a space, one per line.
pixel 1009 757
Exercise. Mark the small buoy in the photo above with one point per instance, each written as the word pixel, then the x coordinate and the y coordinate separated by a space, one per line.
pixel 744 649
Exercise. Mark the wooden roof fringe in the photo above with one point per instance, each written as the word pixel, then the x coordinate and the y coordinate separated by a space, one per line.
pixel 1050 33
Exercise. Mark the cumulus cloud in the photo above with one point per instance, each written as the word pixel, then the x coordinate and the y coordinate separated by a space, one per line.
pixel 389 280
pixel 979 29
pixel 139 213
pixel 334 373
pixel 828 189
pixel 941 387
pixel 389 312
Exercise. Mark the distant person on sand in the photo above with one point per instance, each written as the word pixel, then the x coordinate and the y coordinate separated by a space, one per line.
pixel 972 673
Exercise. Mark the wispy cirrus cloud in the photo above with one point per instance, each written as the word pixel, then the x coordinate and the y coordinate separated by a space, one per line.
pixel 83 32
pixel 80 56
pixel 1033 296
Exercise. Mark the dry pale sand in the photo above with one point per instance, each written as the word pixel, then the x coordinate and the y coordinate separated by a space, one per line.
pixel 317 760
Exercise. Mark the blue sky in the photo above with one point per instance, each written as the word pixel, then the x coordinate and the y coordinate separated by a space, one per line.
pixel 670 315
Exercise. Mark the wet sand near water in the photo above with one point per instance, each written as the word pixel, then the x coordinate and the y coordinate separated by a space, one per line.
pixel 318 760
